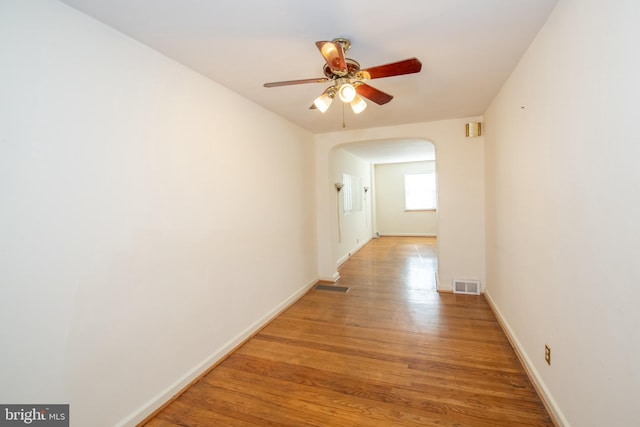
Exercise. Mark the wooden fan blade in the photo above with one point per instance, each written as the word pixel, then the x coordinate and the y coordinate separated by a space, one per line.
pixel 334 55
pixel 375 95
pixel 408 66
pixel 296 82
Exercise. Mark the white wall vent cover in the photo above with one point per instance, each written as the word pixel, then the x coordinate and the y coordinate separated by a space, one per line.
pixel 471 287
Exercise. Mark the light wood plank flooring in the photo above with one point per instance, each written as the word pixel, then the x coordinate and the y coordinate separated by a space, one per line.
pixel 390 352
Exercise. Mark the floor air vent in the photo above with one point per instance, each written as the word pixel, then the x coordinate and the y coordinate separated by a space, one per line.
pixel 332 288
pixel 471 287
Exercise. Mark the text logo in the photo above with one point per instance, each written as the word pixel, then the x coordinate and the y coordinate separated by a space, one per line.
pixel 34 415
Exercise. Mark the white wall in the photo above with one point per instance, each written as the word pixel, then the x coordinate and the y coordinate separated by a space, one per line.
pixel 355 228
pixel 391 217
pixel 144 229
pixel 460 160
pixel 563 202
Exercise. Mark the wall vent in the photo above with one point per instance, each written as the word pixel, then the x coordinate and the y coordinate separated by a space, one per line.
pixel 471 287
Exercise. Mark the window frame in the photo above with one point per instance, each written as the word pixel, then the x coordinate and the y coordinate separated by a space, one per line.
pixel 351 194
pixel 432 191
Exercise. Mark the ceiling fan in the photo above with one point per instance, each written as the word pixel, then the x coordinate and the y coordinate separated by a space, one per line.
pixel 348 80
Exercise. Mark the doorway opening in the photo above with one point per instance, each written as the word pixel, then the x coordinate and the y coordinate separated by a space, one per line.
pixel 375 175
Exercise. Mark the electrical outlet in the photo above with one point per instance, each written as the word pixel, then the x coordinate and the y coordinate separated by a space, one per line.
pixel 547 354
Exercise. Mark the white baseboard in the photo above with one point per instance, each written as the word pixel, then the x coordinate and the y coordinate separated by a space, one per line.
pixel 549 402
pixel 408 235
pixel 343 259
pixel 156 402
pixel 355 249
pixel 334 278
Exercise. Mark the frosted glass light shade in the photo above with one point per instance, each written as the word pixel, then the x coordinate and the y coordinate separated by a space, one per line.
pixel 358 104
pixel 323 102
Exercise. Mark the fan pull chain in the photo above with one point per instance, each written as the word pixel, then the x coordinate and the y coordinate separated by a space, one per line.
pixel 344 125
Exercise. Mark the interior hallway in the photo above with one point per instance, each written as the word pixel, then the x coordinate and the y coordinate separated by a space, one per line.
pixel 390 351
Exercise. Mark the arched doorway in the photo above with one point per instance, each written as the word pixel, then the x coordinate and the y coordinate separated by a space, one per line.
pixel 369 178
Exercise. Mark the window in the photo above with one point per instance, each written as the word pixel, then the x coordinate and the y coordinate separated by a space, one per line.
pixel 420 191
pixel 351 193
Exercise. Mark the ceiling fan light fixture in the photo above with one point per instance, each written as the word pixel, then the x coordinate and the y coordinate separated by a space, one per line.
pixel 347 92
pixel 348 80
pixel 358 104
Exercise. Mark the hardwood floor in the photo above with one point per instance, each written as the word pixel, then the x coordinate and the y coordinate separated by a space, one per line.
pixel 389 352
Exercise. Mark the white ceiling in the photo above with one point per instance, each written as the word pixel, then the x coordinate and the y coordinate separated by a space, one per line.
pixel 467 48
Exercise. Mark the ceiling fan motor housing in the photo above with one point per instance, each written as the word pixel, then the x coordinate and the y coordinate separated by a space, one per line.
pixel 353 67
